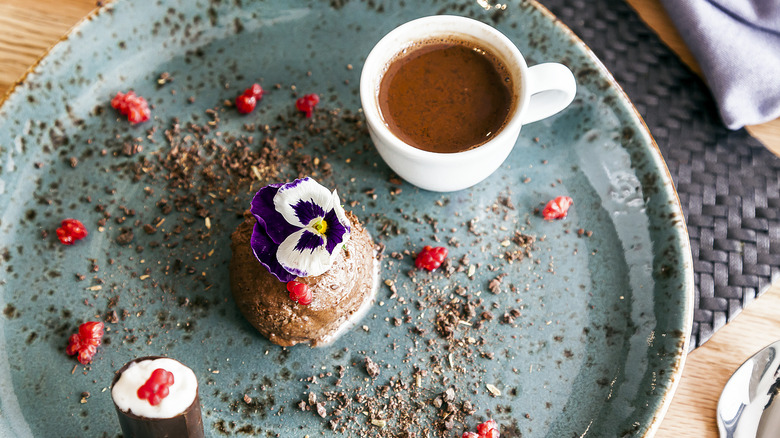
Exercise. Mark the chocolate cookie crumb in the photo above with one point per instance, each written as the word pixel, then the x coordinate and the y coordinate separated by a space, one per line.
pixel 372 368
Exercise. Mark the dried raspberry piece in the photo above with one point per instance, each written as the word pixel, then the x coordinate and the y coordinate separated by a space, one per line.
pixel 245 104
pixel 70 231
pixel 307 103
pixel 156 387
pixel 492 433
pixel 299 292
pixel 92 331
pixel 470 435
pixel 119 102
pixel 431 258
pixel 557 208
pixel 134 107
pixel 86 341
pixel 255 90
pixel 488 429
pixel 138 114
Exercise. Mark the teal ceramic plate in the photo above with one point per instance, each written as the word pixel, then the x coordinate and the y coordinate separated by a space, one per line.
pixel 582 332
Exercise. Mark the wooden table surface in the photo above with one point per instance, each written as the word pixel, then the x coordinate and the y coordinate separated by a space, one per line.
pixel 29 28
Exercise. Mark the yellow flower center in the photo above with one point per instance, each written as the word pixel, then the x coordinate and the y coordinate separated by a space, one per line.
pixel 321 226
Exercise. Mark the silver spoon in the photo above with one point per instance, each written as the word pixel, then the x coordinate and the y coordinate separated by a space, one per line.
pixel 749 406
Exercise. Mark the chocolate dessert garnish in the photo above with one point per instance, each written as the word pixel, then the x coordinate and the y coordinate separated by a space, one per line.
pixel 157 397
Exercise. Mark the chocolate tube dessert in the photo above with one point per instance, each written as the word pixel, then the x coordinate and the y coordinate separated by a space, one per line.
pixel 313 296
pixel 157 404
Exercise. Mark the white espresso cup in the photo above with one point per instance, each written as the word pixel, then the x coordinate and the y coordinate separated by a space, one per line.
pixel 540 91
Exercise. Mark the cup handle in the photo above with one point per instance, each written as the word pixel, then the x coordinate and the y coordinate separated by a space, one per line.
pixel 552 88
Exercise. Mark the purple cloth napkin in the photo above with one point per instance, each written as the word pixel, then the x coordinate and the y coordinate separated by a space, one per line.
pixel 737 45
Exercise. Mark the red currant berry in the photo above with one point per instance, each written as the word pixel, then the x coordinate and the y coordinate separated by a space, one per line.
pixel 70 231
pixel 245 103
pixel 307 103
pixel 557 208
pixel 431 258
pixel 299 292
pixel 156 387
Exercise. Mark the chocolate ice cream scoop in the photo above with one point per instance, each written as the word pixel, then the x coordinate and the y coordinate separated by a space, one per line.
pixel 340 295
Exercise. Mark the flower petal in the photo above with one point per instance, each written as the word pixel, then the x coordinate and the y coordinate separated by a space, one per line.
pixel 265 252
pixel 340 214
pixel 304 253
pixel 309 241
pixel 337 232
pixel 306 211
pixel 300 198
pixel 274 224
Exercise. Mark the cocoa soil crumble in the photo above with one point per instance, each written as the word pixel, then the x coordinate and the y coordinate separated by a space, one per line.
pixel 187 177
pixel 436 398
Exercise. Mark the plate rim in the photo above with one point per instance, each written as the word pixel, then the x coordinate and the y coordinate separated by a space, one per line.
pixel 658 159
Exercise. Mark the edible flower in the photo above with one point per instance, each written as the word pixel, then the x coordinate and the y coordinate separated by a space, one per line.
pixel 300 228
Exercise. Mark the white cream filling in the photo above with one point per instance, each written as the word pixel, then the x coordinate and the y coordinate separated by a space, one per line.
pixel 182 392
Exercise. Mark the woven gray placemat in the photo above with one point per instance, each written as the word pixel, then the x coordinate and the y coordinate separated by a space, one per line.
pixel 728 183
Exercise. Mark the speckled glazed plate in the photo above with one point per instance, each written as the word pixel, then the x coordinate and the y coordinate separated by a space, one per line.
pixel 567 328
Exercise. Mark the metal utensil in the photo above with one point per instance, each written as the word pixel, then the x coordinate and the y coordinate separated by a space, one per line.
pixel 749 406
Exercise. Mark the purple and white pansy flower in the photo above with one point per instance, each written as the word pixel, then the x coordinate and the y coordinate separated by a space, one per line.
pixel 300 228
